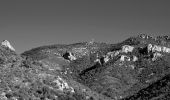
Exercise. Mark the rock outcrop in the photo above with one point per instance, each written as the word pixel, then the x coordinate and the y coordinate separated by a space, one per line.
pixel 7 44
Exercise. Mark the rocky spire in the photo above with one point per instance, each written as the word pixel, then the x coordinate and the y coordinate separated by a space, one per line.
pixel 7 44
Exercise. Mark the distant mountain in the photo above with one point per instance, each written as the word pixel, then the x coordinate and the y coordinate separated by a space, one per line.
pixel 135 69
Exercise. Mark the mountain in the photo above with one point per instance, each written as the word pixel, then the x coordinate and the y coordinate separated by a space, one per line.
pixel 138 68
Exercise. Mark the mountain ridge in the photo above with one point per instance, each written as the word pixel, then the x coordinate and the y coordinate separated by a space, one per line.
pixel 87 70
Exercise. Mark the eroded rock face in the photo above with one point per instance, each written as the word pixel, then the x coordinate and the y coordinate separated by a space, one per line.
pixel 157 48
pixel 87 71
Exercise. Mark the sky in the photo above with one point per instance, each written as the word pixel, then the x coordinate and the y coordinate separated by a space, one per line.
pixel 31 23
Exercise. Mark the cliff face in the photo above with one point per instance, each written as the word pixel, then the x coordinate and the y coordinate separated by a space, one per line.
pixel 135 69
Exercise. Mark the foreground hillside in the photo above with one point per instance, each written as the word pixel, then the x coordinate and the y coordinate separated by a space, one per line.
pixel 135 69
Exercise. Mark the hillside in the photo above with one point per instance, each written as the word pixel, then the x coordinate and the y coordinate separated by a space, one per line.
pixel 138 68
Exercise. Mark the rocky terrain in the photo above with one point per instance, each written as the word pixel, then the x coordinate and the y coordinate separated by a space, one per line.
pixel 135 69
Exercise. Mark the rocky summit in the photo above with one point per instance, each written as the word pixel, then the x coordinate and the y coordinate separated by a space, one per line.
pixel 7 44
pixel 138 68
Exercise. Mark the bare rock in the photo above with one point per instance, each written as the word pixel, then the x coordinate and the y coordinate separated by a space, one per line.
pixel 7 44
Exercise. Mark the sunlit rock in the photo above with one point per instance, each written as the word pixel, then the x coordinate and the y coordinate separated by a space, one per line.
pixel 69 56
pixel 135 58
pixel 156 55
pixel 110 55
pixel 165 49
pixel 124 58
pixel 156 48
pixel 7 44
pixel 72 57
pixel 63 85
pixel 127 48
pixel 106 59
pixel 149 47
pixel 116 53
pixel 98 60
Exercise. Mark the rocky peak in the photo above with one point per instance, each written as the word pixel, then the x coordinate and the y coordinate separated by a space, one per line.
pixel 7 44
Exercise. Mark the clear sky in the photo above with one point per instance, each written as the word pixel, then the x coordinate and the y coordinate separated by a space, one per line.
pixel 31 23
